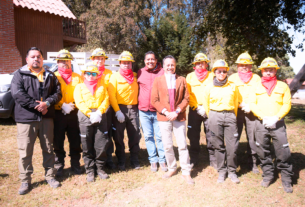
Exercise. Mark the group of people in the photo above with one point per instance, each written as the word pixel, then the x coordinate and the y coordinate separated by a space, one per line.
pixel 96 107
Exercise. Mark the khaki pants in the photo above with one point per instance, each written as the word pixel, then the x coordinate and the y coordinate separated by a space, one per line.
pixel 26 137
pixel 179 129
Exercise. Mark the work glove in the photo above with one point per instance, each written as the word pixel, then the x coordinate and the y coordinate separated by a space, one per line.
pixel 72 105
pixel 270 121
pixel 200 110
pixel 95 117
pixel 241 105
pixel 120 116
pixel 66 108
pixel 246 108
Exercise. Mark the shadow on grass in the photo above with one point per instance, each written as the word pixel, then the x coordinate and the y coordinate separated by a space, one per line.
pixel 8 121
pixel 298 163
pixel 4 175
pixel 296 113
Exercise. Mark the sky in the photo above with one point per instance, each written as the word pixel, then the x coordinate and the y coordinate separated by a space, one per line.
pixel 298 61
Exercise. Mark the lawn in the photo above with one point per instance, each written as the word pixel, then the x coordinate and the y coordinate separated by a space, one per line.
pixel 145 188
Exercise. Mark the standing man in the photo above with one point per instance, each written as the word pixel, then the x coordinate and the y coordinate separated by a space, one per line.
pixel 35 92
pixel 99 57
pixel 147 112
pixel 66 120
pixel 196 84
pixel 245 80
pixel 170 97
pixel 123 96
pixel 270 102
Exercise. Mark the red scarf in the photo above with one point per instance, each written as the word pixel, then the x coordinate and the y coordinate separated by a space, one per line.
pixel 91 85
pixel 245 77
pixel 127 75
pixel 66 74
pixel 269 83
pixel 201 73
pixel 101 69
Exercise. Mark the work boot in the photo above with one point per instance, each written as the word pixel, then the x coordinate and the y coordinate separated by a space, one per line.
pixel 76 169
pixel 110 165
pixel 163 166
pixel 266 183
pixel 255 169
pixel 24 188
pixel 53 183
pixel 221 178
pixel 169 174
pixel 102 174
pixel 188 179
pixel 60 172
pixel 90 177
pixel 135 165
pixel 287 187
pixel 153 167
pixel 121 166
pixel 234 178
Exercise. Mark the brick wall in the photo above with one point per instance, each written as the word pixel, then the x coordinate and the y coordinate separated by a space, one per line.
pixel 10 58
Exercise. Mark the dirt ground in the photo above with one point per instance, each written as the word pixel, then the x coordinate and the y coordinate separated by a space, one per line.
pixel 145 188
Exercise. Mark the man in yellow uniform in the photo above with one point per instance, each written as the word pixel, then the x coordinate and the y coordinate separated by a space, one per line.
pixel 196 84
pixel 244 79
pixel 270 102
pixel 65 120
pixel 123 96
pixel 99 57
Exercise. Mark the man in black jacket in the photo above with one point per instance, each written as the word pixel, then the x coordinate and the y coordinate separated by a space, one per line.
pixel 35 92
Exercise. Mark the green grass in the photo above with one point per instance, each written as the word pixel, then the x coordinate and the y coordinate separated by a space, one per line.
pixel 144 188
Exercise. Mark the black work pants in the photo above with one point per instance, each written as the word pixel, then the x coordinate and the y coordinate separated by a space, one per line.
pixel 225 140
pixel 95 141
pixel 278 135
pixel 131 124
pixel 193 133
pixel 66 124
pixel 109 116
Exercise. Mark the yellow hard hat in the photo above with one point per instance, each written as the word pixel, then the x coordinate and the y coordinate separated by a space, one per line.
pixel 126 56
pixel 244 58
pixel 269 63
pixel 64 55
pixel 220 64
pixel 91 67
pixel 201 57
pixel 98 52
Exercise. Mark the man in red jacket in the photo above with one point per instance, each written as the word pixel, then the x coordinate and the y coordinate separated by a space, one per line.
pixel 147 112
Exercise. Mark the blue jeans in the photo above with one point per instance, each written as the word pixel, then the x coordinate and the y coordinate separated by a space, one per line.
pixel 150 128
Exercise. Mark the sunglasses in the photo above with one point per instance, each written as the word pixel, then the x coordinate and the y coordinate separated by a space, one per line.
pixel 221 71
pixel 90 73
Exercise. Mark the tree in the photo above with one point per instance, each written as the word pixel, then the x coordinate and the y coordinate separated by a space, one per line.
pixel 78 7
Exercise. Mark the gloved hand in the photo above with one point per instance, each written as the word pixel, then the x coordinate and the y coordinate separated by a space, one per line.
pixel 200 110
pixel 95 117
pixel 271 122
pixel 241 105
pixel 120 116
pixel 66 108
pixel 72 105
pixel 246 108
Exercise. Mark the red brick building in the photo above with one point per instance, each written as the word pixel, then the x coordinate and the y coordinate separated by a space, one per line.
pixel 46 24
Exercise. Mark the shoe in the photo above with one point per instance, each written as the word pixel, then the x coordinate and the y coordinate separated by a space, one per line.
pixel 213 164
pixel 266 183
pixel 188 179
pixel 24 188
pixel 153 167
pixel 255 170
pixel 76 169
pixel 193 163
pixel 287 187
pixel 60 172
pixel 90 177
pixel 121 166
pixel 102 174
pixel 163 166
pixel 169 174
pixel 110 165
pixel 53 183
pixel 135 165
pixel 234 178
pixel 221 178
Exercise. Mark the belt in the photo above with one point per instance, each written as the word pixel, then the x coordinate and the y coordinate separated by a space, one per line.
pixel 128 106
pixel 224 111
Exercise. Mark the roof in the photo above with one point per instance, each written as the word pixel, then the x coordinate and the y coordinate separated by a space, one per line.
pixel 56 7
pixel 289 80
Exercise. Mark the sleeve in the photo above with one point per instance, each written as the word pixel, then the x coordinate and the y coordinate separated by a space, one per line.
pixel 19 93
pixel 105 103
pixel 155 99
pixel 253 105
pixel 79 101
pixel 107 78
pixel 112 90
pixel 186 97
pixel 193 100
pixel 56 95
pixel 206 100
pixel 286 103
pixel 238 100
